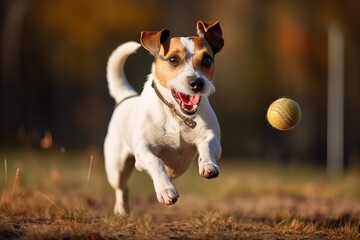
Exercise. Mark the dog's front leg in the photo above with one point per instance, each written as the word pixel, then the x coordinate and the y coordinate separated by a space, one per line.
pixel 209 151
pixel 148 161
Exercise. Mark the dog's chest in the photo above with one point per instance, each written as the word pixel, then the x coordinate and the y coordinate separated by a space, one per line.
pixel 176 144
pixel 177 150
pixel 177 136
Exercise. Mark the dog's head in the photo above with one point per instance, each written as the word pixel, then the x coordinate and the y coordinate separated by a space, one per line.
pixel 185 65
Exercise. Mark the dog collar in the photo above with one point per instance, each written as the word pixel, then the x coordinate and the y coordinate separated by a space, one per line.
pixel 188 121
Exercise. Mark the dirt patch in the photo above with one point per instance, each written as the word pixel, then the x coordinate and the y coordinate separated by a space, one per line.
pixel 266 216
pixel 52 198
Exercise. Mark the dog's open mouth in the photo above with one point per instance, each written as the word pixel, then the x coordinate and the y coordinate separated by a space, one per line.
pixel 188 104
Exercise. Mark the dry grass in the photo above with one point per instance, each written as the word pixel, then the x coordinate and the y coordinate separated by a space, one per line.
pixel 66 196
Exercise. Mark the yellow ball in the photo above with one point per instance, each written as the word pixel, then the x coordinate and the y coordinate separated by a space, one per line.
pixel 284 114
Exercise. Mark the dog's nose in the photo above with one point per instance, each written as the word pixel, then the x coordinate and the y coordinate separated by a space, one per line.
pixel 197 84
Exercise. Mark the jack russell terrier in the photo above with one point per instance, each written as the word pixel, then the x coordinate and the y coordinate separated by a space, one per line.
pixel 171 122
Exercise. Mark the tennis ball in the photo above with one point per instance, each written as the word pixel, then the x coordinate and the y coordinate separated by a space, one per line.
pixel 284 114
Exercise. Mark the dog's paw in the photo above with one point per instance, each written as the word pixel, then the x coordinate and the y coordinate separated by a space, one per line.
pixel 168 196
pixel 121 210
pixel 209 170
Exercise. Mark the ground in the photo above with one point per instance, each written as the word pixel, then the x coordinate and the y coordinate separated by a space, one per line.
pixel 63 196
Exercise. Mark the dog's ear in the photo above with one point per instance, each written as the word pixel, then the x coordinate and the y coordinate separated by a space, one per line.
pixel 152 41
pixel 211 32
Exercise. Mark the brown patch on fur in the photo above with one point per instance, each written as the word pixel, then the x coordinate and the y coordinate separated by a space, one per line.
pixel 202 49
pixel 164 71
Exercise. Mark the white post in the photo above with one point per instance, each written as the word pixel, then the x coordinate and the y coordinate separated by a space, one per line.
pixel 335 115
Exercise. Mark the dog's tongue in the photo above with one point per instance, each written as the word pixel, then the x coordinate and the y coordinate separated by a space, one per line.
pixel 189 100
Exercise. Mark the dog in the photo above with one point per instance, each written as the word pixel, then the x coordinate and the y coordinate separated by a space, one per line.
pixel 171 123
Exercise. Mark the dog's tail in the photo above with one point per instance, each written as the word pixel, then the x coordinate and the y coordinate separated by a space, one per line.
pixel 118 84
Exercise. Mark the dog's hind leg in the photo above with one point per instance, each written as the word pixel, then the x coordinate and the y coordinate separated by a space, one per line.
pixel 118 170
pixel 121 191
pixel 118 181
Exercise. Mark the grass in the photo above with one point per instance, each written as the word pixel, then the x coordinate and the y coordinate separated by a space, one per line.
pixel 50 195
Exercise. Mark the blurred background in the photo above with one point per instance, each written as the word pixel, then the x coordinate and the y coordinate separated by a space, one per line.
pixel 53 90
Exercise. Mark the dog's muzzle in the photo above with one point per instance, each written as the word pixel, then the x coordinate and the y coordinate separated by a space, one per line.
pixel 190 103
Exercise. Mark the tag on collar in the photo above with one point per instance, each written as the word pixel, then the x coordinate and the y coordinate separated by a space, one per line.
pixel 190 123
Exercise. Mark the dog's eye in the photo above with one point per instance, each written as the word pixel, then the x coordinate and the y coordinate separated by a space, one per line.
pixel 207 61
pixel 174 60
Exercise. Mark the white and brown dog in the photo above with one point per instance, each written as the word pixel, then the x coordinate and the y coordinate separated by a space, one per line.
pixel 171 123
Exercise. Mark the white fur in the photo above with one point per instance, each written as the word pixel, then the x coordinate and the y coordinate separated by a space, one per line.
pixel 144 132
pixel 118 85
pixel 189 46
